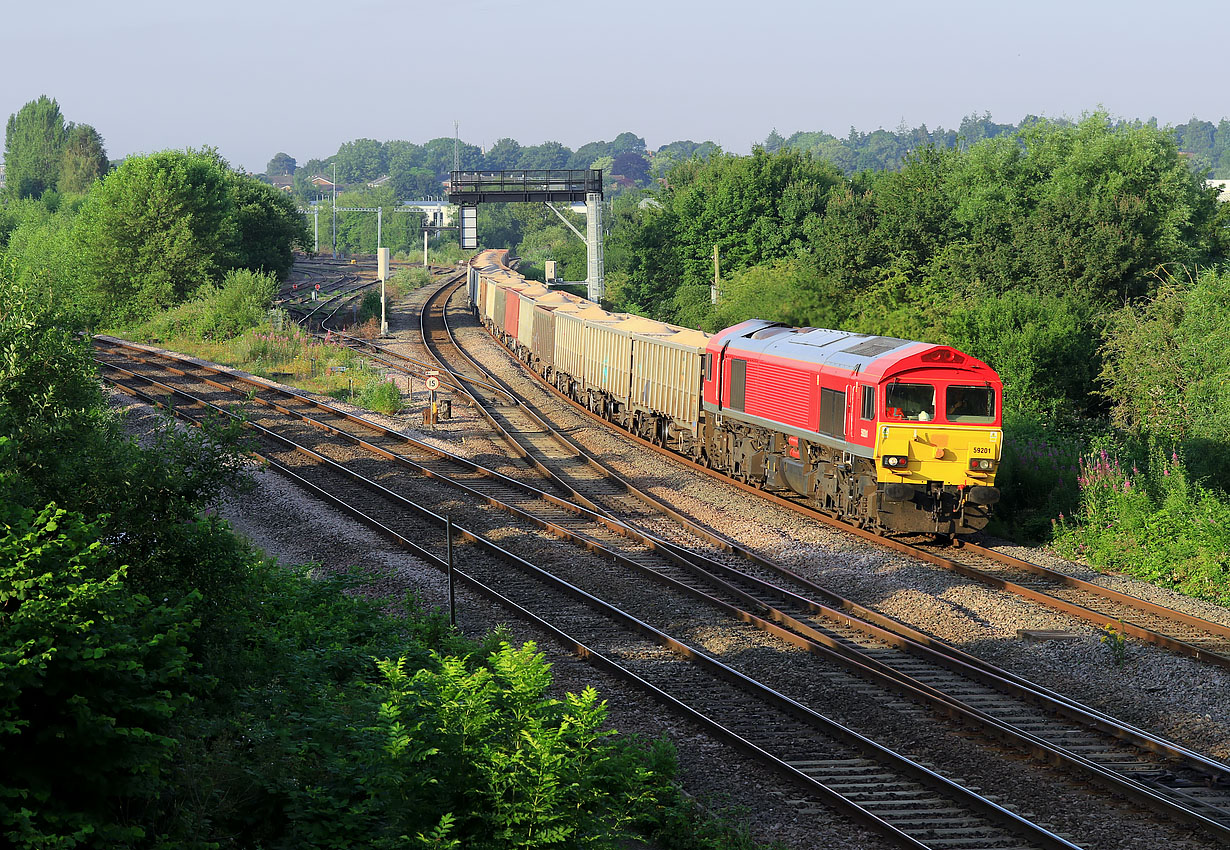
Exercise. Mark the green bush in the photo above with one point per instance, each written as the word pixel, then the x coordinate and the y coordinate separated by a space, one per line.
pixel 369 307
pixel 380 395
pixel 1037 475
pixel 407 279
pixel 1167 370
pixel 1150 520
pixel 1044 347
pixel 216 312
pixel 91 684
pixel 512 767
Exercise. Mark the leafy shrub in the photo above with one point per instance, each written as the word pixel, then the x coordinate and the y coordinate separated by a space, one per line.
pixel 1168 369
pixel 380 395
pixel 1037 475
pixel 369 306
pixel 1149 519
pixel 408 279
pixel 216 312
pixel 1044 347
pixel 91 681
pixel 512 767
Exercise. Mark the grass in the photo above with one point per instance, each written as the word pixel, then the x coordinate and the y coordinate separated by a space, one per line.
pixel 294 357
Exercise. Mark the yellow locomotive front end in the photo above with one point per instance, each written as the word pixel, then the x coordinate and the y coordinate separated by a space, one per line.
pixel 952 455
pixel 937 450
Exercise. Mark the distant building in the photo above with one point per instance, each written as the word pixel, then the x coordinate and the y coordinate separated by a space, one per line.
pixel 322 183
pixel 282 182
pixel 378 182
pixel 1222 187
pixel 1 176
pixel 437 213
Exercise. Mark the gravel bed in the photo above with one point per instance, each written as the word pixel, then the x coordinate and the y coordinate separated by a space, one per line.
pixel 283 520
pixel 1177 698
pixel 296 528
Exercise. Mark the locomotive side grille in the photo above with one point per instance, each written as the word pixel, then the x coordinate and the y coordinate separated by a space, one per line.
pixel 781 394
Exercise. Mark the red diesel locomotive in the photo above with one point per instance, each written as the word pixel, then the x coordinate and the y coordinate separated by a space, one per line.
pixel 892 435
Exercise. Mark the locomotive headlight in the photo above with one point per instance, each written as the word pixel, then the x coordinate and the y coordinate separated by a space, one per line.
pixel 981 464
pixel 898 462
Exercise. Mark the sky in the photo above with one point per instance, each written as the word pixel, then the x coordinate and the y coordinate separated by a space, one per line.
pixel 258 77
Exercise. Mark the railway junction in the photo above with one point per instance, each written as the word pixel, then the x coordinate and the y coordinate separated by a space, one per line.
pixel 847 693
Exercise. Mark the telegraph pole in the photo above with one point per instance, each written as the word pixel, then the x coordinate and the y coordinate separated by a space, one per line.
pixel 335 210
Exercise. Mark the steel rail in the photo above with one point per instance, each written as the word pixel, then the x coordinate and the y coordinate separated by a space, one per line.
pixel 1088 717
pixel 992 811
pixel 854 660
pixel 1142 633
pixel 870 668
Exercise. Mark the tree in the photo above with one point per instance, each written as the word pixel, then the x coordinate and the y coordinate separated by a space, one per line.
pixel 85 159
pixel 360 161
pixel 267 224
pixel 1167 367
pixel 665 158
pixel 282 163
pixel 626 143
pixel 505 154
pixel 92 676
pixel 587 154
pixel 544 156
pixel 34 141
pixel 1097 207
pixel 357 231
pixel 634 166
pixel 438 157
pixel 154 230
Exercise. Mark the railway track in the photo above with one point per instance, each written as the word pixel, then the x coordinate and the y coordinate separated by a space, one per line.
pixel 962 687
pixel 1145 769
pixel 1146 621
pixel 991 692
pixel 1140 618
pixel 913 804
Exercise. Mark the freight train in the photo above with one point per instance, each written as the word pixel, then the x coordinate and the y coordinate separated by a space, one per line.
pixel 891 435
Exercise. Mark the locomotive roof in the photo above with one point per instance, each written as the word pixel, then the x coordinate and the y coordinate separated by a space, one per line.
pixel 869 355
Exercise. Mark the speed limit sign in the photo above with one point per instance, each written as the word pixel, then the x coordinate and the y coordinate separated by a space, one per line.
pixel 433 383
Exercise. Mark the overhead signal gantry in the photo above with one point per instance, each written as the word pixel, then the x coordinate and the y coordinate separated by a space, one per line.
pixel 468 189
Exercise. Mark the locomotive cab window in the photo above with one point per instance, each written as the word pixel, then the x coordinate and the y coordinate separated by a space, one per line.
pixel 869 402
pixel 913 402
pixel 970 404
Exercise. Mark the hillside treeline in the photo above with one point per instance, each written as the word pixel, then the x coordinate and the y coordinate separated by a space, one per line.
pixel 417 171
pixel 161 230
pixel 1036 236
